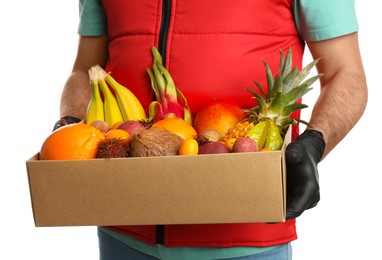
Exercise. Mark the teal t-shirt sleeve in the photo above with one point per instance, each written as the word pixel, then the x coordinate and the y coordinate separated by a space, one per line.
pixel 318 20
pixel 93 20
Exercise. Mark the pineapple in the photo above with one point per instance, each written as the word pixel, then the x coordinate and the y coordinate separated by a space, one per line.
pixel 239 130
pixel 267 122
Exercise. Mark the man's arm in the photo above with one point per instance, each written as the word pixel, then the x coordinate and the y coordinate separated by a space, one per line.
pixel 343 95
pixel 340 105
pixel 76 93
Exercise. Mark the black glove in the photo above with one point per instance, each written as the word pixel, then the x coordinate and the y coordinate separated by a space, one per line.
pixel 66 120
pixel 302 157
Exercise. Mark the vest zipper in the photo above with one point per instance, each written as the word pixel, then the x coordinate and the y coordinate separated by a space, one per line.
pixel 162 43
pixel 165 24
pixel 159 239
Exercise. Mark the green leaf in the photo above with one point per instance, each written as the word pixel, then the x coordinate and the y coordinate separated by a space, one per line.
pixel 253 110
pixel 156 55
pixel 154 85
pixel 256 94
pixel 288 79
pixel 277 87
pixel 263 109
pixel 261 89
pixel 160 81
pixel 281 62
pixel 181 96
pixel 311 80
pixel 262 103
pixel 269 76
pixel 286 121
pixel 304 122
pixel 295 94
pixel 170 86
pixel 187 115
pixel 288 63
pixel 276 104
pixel 303 73
pixel 287 110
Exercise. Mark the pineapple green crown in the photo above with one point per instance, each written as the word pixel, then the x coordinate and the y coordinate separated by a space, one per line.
pixel 284 89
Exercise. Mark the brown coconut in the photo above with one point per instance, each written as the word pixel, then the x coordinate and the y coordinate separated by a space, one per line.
pixel 155 142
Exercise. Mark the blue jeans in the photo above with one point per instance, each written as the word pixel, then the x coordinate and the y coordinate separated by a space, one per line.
pixel 113 249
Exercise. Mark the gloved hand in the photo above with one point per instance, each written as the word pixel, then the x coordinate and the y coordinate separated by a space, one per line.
pixel 66 120
pixel 302 158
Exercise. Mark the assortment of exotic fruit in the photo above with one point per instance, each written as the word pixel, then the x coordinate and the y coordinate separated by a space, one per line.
pixel 117 126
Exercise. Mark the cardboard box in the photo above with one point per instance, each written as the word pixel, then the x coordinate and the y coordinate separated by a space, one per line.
pixel 216 188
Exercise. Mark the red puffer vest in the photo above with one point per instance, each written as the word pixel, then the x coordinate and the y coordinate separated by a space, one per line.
pixel 213 50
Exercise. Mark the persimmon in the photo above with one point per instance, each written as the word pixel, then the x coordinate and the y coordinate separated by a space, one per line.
pixel 177 126
pixel 118 134
pixel 189 147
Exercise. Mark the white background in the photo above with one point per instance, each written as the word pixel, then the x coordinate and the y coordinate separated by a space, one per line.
pixel 38 46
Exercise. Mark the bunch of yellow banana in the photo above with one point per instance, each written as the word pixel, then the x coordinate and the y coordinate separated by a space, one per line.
pixel 112 109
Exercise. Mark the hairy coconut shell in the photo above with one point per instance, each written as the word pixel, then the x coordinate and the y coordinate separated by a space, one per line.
pixel 155 142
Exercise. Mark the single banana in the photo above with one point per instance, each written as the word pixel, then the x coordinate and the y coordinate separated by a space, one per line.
pixel 129 104
pixel 111 109
pixel 95 109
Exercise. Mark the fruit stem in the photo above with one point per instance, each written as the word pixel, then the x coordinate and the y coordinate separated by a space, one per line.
pixel 96 73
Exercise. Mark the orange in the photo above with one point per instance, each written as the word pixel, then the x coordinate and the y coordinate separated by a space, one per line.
pixel 115 126
pixel 70 142
pixel 118 134
pixel 229 143
pixel 177 126
pixel 189 147
pixel 219 116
